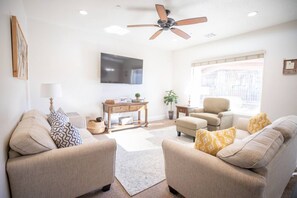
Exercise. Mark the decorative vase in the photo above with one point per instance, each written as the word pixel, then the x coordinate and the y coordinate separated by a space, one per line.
pixel 170 114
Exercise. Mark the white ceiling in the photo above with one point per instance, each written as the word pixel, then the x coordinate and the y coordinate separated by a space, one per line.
pixel 225 17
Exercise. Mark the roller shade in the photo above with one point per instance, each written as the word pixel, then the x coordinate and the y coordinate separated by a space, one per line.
pixel 226 59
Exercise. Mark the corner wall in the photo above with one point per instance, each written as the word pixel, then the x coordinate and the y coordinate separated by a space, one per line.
pixel 279 91
pixel 72 57
pixel 14 97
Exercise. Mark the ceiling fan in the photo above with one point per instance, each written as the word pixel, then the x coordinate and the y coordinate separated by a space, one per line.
pixel 166 23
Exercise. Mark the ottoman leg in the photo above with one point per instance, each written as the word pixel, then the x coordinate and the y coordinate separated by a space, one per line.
pixel 178 133
pixel 194 139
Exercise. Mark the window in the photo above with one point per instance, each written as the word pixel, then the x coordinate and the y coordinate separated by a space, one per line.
pixel 239 81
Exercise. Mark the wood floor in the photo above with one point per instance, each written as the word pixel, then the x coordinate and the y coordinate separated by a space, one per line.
pixel 160 190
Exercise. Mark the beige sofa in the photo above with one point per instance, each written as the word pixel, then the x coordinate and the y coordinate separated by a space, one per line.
pixel 36 168
pixel 216 111
pixel 193 173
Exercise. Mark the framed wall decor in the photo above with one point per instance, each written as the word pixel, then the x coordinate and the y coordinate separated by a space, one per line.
pixel 290 66
pixel 19 51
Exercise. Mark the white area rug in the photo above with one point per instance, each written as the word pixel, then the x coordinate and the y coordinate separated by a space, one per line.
pixel 139 160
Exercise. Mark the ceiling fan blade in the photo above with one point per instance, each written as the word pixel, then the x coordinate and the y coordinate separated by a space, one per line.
pixel 191 21
pixel 142 25
pixel 161 12
pixel 180 33
pixel 156 34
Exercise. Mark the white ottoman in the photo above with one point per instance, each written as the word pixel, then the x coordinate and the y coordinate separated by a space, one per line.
pixel 190 125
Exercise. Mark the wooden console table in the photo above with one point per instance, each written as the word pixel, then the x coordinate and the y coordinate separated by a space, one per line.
pixel 122 108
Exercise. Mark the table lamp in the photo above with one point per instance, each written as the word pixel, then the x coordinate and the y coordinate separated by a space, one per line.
pixel 188 91
pixel 50 90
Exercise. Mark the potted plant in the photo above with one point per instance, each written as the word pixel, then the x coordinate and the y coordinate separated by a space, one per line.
pixel 170 98
pixel 137 96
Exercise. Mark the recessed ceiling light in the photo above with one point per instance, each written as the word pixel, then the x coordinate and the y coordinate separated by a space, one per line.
pixel 210 35
pixel 118 6
pixel 83 12
pixel 114 29
pixel 251 14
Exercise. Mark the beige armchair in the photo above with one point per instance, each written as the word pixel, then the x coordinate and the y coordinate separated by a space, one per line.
pixel 217 113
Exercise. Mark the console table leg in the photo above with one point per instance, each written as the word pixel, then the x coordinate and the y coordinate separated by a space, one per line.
pixel 146 122
pixel 109 121
pixel 139 117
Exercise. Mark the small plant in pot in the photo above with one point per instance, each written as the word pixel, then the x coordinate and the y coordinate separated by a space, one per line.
pixel 169 99
pixel 137 96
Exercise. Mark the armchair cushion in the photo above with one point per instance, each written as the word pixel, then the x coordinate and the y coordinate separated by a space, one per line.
pixel 216 105
pixel 212 119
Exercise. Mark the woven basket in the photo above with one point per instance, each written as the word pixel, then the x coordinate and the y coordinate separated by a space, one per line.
pixel 96 127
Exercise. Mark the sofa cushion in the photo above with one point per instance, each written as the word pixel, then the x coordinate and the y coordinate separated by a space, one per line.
pixel 86 136
pixel 241 134
pixel 287 126
pixel 31 137
pixel 254 151
pixel 212 142
pixel 39 116
pixel 65 135
pixel 258 122
pixel 212 119
pixel 216 105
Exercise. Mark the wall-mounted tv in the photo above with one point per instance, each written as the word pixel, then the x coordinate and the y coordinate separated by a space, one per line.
pixel 120 69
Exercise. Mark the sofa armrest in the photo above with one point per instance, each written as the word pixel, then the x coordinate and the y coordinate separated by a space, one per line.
pixel 226 119
pixel 65 172
pixel 77 120
pixel 192 172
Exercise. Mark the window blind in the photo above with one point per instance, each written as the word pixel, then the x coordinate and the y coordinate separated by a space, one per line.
pixel 226 59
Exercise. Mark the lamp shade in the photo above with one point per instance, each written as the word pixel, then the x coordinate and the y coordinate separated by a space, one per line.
pixel 50 90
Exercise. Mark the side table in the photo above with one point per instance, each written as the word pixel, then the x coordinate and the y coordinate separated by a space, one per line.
pixel 184 109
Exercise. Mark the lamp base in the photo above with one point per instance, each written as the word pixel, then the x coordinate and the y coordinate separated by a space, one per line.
pixel 51 108
pixel 189 101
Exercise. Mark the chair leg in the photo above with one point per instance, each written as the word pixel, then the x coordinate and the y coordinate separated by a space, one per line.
pixel 178 133
pixel 106 188
pixel 172 190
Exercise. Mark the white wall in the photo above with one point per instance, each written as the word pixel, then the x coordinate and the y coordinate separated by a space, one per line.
pixel 279 92
pixel 13 91
pixel 72 58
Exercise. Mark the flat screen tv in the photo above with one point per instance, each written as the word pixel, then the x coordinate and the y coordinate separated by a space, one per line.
pixel 120 69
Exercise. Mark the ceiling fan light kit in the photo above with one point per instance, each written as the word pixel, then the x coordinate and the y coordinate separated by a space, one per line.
pixel 166 23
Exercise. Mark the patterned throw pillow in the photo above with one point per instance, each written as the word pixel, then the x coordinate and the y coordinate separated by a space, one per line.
pixel 258 122
pixel 212 142
pixel 65 135
pixel 57 116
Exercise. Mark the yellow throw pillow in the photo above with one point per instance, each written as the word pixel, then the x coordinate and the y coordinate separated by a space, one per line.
pixel 212 142
pixel 258 122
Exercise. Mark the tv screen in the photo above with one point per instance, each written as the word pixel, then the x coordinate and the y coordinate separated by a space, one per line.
pixel 120 69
